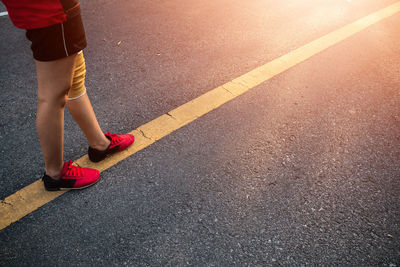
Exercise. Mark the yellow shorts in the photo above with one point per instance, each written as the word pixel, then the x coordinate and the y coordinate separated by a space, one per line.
pixel 78 88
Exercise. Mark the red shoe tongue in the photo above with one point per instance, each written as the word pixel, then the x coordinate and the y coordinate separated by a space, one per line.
pixel 65 167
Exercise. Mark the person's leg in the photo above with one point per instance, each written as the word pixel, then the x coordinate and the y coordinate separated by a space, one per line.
pixel 100 145
pixel 54 81
pixel 81 109
pixel 82 112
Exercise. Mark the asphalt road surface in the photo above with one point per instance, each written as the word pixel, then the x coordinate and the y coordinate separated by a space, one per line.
pixel 302 170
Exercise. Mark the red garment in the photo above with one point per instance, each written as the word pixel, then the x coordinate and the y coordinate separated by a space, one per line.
pixel 33 14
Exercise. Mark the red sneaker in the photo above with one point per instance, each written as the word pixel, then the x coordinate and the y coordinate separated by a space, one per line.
pixel 72 177
pixel 118 142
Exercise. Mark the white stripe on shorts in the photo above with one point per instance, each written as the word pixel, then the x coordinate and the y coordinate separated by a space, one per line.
pixel 73 98
pixel 63 35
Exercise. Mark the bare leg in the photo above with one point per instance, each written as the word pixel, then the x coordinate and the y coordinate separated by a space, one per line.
pixel 54 80
pixel 82 112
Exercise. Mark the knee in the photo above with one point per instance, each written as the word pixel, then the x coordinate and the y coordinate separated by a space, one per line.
pixel 54 96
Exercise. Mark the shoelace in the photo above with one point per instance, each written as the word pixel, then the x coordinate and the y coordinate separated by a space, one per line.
pixel 74 170
pixel 115 139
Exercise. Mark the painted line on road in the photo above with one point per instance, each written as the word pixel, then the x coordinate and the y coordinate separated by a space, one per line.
pixel 3 14
pixel 33 196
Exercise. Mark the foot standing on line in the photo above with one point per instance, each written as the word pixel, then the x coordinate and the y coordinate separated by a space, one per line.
pixel 72 177
pixel 118 142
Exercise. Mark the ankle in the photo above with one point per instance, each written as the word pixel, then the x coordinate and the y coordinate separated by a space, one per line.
pixel 103 145
pixel 54 173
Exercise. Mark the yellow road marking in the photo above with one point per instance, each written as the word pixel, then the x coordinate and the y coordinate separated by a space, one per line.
pixel 34 196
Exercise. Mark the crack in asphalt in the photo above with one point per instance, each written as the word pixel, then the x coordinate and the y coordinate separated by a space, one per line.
pixel 168 114
pixel 5 202
pixel 144 135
